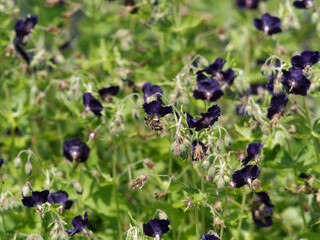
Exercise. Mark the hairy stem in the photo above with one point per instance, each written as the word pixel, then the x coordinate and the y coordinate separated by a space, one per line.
pixel 241 211
pixel 114 170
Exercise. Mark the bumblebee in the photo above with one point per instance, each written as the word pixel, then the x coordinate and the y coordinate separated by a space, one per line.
pixel 153 122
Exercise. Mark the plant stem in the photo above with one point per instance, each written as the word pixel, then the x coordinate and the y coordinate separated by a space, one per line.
pixel 224 215
pixel 195 186
pixel 305 225
pixel 114 170
pixel 241 211
pixel 203 216
pixel 171 202
pixel 310 126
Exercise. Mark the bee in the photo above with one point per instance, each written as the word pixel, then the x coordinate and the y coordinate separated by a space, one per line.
pixel 153 122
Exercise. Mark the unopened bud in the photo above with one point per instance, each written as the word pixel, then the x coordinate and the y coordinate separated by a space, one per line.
pixel 25 190
pixel 205 164
pixel 248 110
pixel 219 144
pixel 17 162
pixel 227 140
pixel 218 206
pixel 77 187
pixel 220 183
pixel 5 205
pixel 28 168
pixel 34 237
pixel 159 195
pixel 162 215
pixel 212 170
pixel 256 113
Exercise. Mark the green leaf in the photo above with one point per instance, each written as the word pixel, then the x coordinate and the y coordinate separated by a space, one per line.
pixel 277 157
pixel 305 158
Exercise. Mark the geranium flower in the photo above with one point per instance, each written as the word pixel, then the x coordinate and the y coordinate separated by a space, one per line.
pixel 253 150
pixel 278 104
pixel 306 59
pixel 208 89
pixel 107 93
pixel 245 175
pixel 79 224
pixel 207 120
pixel 1 162
pixel 61 197
pixel 76 149
pixel 149 90
pixel 262 210
pixel 156 228
pixel 24 27
pixel 303 4
pixel 36 199
pixel 210 237
pixel 295 82
pixel 155 108
pixel 268 24
pixel 215 69
pixel 248 4
pixel 92 104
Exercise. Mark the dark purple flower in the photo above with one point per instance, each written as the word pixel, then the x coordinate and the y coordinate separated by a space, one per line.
pixel 262 210
pixel 149 90
pixel 248 4
pixel 245 175
pixel 207 120
pixel 75 149
pixel 155 108
pixel 156 227
pixel 210 237
pixel 92 104
pixel 241 109
pixel 79 224
pixel 208 89
pixel 214 68
pixel 270 85
pixel 61 197
pixel 268 24
pixel 198 150
pixel 306 59
pixel 24 55
pixel 264 198
pixel 24 27
pixel 228 76
pixel 1 162
pixel 295 82
pixel 262 216
pixel 303 4
pixel 253 150
pixel 107 93
pixel 304 176
pixel 278 104
pixel 36 199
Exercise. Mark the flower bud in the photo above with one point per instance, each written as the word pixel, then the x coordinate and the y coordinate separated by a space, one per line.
pixel 220 183
pixel 162 215
pixel 256 113
pixel 226 178
pixel 219 144
pixel 227 140
pixel 77 187
pixel 212 170
pixel 248 110
pixel 141 180
pixel 34 237
pixel 5 205
pixel 148 162
pixel 17 162
pixel 218 206
pixel 28 168
pixel 25 191
pixel 205 164
pixel 159 195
